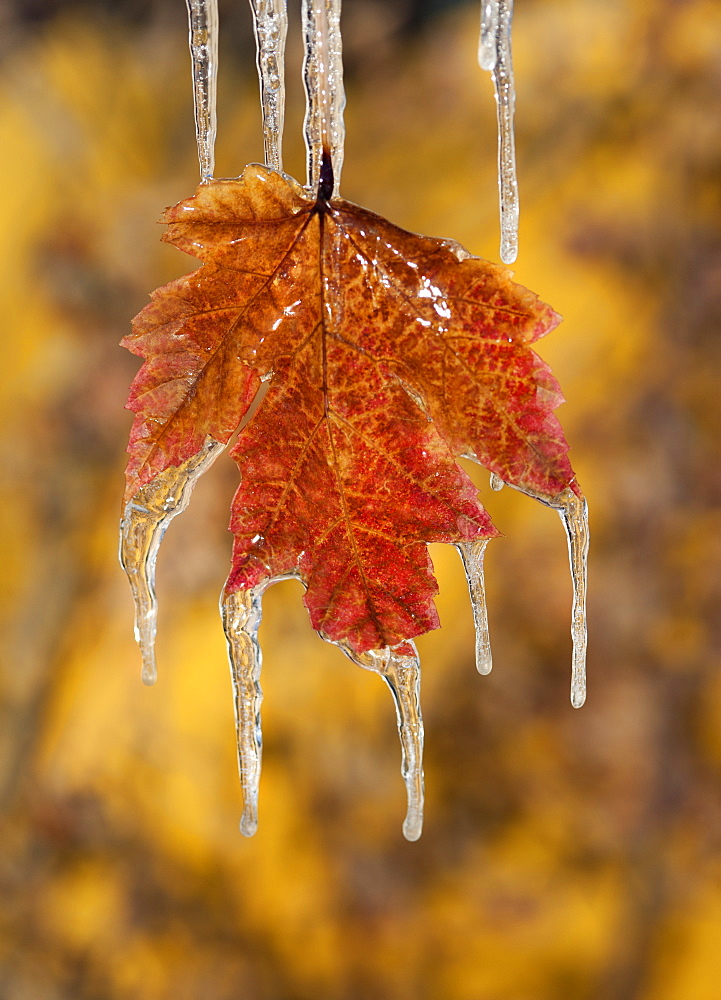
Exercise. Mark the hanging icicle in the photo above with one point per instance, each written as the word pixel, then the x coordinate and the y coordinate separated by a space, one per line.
pixel 494 55
pixel 325 95
pixel 203 24
pixel 472 554
pixel 241 613
pixel 270 21
pixel 144 522
pixel 401 670
pixel 573 511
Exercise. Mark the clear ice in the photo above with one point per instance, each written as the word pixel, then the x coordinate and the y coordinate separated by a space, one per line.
pixel 494 54
pixel 402 674
pixel 270 21
pixel 472 554
pixel 203 39
pixel 489 34
pixel 241 613
pixel 147 515
pixel 573 511
pixel 325 95
pixel 144 522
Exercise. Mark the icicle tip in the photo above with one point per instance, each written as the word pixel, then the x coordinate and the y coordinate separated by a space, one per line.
pixel 248 824
pixel 413 828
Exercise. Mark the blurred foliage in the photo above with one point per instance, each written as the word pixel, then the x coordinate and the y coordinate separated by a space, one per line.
pixel 566 855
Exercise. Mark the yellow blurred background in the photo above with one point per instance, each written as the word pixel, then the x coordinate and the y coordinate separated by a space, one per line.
pixel 566 855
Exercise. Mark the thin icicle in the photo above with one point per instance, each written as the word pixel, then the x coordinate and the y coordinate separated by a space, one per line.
pixel 203 24
pixel 472 554
pixel 241 613
pixel 573 511
pixel 270 20
pixel 488 41
pixel 144 522
pixel 402 674
pixel 494 54
pixel 325 96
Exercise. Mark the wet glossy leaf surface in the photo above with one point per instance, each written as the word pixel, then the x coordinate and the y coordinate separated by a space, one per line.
pixel 389 355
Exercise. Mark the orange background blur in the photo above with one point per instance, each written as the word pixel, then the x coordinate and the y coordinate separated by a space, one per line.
pixel 566 855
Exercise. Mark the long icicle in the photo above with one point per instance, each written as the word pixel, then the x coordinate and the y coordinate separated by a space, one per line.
pixel 241 613
pixel 494 54
pixel 472 554
pixel 325 96
pixel 573 511
pixel 144 522
pixel 402 674
pixel 270 20
pixel 203 38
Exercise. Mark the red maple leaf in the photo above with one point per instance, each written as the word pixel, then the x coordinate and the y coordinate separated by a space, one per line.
pixel 388 354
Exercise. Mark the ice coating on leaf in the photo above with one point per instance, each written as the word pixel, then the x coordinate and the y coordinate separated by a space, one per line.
pixel 192 386
pixel 386 355
pixel 573 511
pixel 325 95
pixel 390 355
pixel 270 21
pixel 241 612
pixel 494 54
pixel 203 40
pixel 472 554
pixel 497 483
pixel 400 669
pixel 144 522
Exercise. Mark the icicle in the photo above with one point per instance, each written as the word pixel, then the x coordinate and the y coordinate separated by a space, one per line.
pixel 325 96
pixel 472 554
pixel 203 23
pixel 402 674
pixel 573 511
pixel 144 522
pixel 489 34
pixel 497 483
pixel 270 19
pixel 494 54
pixel 241 613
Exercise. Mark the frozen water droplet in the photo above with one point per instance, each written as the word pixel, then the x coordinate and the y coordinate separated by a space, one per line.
pixel 402 674
pixel 241 613
pixel 144 522
pixel 495 55
pixel 203 25
pixel 497 483
pixel 325 95
pixel 488 41
pixel 573 511
pixel 270 20
pixel 472 554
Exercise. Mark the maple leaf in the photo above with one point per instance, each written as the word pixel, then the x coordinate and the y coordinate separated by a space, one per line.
pixel 389 355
